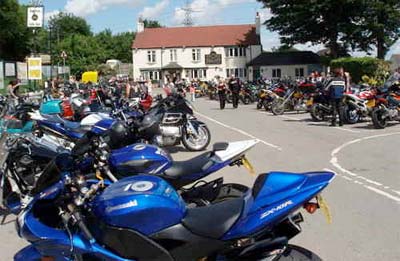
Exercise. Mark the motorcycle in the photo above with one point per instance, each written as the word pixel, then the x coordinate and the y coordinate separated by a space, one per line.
pixel 387 109
pixel 321 107
pixel 144 218
pixel 170 123
pixel 297 98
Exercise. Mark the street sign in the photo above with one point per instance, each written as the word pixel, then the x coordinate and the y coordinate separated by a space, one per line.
pixel 64 55
pixel 35 17
pixel 34 68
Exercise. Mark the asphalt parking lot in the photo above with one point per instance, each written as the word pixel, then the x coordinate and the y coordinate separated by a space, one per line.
pixel 364 198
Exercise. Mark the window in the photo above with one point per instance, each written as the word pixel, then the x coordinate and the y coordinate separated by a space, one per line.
pixel 241 72
pixel 196 53
pixel 173 55
pixel 299 72
pixel 151 75
pixel 236 52
pixel 151 56
pixel 276 73
pixel 227 73
pixel 245 72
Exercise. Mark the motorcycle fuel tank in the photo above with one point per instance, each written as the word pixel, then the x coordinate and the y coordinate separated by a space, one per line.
pixel 138 159
pixel 143 203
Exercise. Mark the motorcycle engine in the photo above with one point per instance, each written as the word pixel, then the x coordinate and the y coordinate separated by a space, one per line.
pixel 170 131
pixel 165 141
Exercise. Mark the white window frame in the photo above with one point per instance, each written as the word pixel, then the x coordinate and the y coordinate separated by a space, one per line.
pixel 151 56
pixel 173 55
pixel 275 73
pixel 298 71
pixel 196 55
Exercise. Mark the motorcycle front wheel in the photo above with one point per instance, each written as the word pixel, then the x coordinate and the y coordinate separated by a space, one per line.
pixel 379 120
pixel 198 142
pixel 350 115
pixel 278 108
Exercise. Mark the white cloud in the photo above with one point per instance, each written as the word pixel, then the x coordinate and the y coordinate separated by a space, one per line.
pixel 50 14
pixel 153 12
pixel 87 7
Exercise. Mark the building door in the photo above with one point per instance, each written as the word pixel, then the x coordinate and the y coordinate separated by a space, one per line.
pixel 256 73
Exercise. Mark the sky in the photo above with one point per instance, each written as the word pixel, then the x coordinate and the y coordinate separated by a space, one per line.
pixel 122 15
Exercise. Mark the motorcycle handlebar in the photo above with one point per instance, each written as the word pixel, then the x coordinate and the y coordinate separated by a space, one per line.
pixel 78 220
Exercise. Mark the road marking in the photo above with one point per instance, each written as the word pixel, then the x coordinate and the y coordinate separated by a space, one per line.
pixel 290 118
pixel 383 193
pixel 335 163
pixel 240 131
pixel 348 130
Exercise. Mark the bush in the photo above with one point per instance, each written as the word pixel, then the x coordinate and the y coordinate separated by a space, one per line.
pixel 365 66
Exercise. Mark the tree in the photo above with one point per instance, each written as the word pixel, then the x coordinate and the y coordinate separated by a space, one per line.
pixel 284 48
pixel 14 35
pixel 122 47
pixel 151 24
pixel 63 25
pixel 327 22
pixel 381 27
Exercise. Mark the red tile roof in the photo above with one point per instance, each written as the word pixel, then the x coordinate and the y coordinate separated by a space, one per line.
pixel 199 36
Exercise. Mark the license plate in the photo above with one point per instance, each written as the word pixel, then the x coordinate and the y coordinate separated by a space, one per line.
pixel 325 209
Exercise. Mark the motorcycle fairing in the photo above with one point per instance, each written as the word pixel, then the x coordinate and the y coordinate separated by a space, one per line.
pixel 278 195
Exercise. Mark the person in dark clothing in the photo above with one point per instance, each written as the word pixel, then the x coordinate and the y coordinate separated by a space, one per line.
pixel 222 94
pixel 336 87
pixel 234 87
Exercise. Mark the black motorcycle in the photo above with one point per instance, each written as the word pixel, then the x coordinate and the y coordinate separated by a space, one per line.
pixel 171 122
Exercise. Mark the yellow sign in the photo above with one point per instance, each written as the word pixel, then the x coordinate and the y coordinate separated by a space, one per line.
pixel 34 68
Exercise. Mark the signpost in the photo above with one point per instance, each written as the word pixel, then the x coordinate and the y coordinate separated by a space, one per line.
pixel 35 17
pixel 63 56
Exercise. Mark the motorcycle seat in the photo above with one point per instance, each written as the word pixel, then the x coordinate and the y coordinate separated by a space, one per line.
pixel 192 166
pixel 75 126
pixel 215 220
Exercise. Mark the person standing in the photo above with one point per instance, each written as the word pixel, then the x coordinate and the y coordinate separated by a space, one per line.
pixel 234 87
pixel 222 94
pixel 336 88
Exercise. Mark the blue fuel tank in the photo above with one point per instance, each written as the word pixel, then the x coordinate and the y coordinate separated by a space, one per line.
pixel 143 203
pixel 139 159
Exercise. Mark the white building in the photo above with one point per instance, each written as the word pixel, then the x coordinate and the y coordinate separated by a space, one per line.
pixel 275 65
pixel 395 62
pixel 202 52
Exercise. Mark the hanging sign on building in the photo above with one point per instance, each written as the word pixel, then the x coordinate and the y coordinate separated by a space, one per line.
pixel 35 16
pixel 213 58
pixel 34 68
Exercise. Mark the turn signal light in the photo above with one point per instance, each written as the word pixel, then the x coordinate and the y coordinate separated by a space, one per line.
pixel 311 207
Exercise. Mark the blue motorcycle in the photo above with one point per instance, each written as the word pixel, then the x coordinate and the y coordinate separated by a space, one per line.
pixel 144 218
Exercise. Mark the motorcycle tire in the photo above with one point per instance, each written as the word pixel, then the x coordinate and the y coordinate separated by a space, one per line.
pixel 378 121
pixel 191 145
pixel 293 252
pixel 229 98
pixel 350 115
pixel 278 108
pixel 246 100
pixel 317 114
pixel 259 105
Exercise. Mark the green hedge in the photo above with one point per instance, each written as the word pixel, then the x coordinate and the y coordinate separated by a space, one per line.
pixel 358 67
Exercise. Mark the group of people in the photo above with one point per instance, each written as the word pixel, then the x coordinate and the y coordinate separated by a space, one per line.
pixel 234 85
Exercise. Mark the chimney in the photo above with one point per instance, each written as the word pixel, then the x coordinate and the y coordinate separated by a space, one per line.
pixel 258 23
pixel 140 25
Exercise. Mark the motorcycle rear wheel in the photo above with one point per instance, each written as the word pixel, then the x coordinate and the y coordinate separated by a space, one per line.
pixel 378 120
pixel 193 144
pixel 293 252
pixel 316 113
